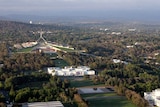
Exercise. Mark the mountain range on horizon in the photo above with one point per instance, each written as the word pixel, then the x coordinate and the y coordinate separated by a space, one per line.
pixel 90 17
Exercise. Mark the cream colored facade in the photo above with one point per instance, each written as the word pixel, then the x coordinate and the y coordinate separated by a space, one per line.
pixel 70 71
pixel 153 97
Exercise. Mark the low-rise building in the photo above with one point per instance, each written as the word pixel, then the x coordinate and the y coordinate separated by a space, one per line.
pixel 119 61
pixel 116 33
pixel 130 46
pixel 28 44
pixel 131 30
pixel 153 97
pixel 43 104
pixel 18 46
pixel 70 71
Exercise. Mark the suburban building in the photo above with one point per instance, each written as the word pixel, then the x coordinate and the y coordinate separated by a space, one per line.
pixel 43 104
pixel 131 30
pixel 70 71
pixel 116 33
pixel 119 61
pixel 153 97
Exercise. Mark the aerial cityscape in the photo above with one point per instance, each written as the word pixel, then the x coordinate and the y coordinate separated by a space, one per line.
pixel 79 53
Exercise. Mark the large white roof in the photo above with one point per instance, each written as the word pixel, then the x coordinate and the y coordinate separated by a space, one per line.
pixel 43 104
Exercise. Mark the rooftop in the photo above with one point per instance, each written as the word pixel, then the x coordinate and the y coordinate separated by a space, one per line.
pixel 43 104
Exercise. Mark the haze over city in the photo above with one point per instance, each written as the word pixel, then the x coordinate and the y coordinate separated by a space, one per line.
pixel 134 10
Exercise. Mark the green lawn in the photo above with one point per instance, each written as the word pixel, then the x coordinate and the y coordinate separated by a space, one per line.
pixel 99 95
pixel 70 105
pixel 60 63
pixel 81 83
pixel 25 50
pixel 110 99
pixel 107 100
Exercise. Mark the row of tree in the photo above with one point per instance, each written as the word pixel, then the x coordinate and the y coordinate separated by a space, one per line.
pixel 132 96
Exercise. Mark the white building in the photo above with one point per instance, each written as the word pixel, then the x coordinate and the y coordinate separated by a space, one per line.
pixel 153 97
pixel 18 46
pixel 131 30
pixel 70 71
pixel 116 61
pixel 28 44
pixel 43 104
pixel 116 33
pixel 130 46
pixel 30 22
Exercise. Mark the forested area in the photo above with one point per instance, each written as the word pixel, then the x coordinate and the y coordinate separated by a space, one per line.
pixel 38 87
pixel 21 63
pixel 53 88
pixel 26 62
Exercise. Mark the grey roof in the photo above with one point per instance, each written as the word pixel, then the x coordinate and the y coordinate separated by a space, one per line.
pixel 43 104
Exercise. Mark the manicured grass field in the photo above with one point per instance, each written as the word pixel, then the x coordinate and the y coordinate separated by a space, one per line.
pixel 70 105
pixel 110 99
pixel 107 100
pixel 81 83
pixel 25 50
pixel 60 63
pixel 99 95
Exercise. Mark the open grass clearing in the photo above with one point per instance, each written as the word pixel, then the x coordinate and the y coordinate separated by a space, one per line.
pixel 70 105
pixel 51 54
pixel 81 83
pixel 25 50
pixel 60 63
pixel 107 100
pixel 99 95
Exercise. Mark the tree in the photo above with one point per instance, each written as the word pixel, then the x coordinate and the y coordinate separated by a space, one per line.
pixel 12 93
pixel 2 104
pixel 1 85
pixel 2 98
pixel 23 95
pixel 8 83
pixel 80 101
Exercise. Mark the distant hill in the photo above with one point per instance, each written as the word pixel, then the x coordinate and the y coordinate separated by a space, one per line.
pixel 21 32
pixel 74 17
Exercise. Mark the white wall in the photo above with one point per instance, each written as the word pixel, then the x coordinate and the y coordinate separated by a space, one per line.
pixel 69 71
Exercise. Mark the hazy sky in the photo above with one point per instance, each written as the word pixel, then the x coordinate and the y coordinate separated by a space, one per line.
pixel 82 7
